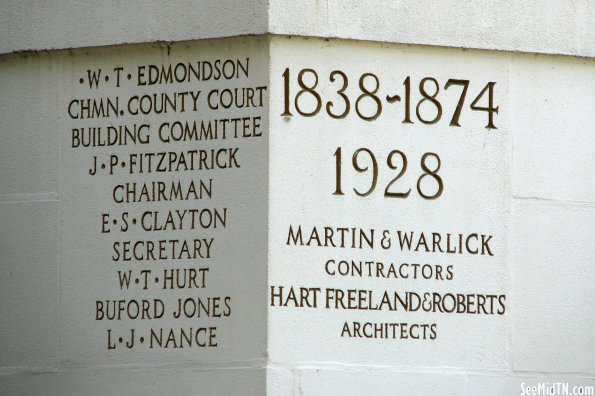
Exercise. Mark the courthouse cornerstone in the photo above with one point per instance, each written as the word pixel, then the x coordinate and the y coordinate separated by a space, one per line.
pixel 297 198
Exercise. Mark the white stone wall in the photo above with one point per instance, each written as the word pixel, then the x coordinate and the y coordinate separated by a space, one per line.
pixel 553 27
pixel 530 183
pixel 67 214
